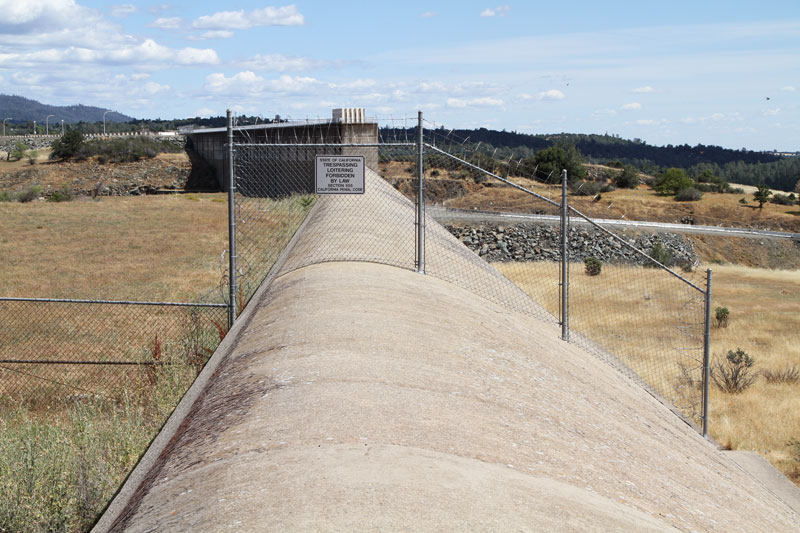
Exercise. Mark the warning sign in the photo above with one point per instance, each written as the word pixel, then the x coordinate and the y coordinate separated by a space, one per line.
pixel 339 174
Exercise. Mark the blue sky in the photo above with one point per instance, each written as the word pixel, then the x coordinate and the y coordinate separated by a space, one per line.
pixel 725 73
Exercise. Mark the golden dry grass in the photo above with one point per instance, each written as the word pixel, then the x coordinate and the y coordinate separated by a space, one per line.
pixel 138 248
pixel 639 313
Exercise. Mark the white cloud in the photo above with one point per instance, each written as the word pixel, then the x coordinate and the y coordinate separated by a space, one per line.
pixel 214 34
pixel 152 88
pixel 552 94
pixel 474 102
pixel 167 23
pixel 122 10
pixel 241 20
pixel 292 84
pixel 242 82
pixel 788 89
pixel 281 63
pixel 355 84
pixel 645 89
pixel 428 14
pixel 772 112
pixel 500 11
pixel 633 106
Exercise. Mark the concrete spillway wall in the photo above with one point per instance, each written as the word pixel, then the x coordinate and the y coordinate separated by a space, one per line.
pixel 358 395
pixel 211 145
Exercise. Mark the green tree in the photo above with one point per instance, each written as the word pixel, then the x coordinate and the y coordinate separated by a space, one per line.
pixel 672 181
pixel 762 195
pixel 67 145
pixel 551 161
pixel 627 179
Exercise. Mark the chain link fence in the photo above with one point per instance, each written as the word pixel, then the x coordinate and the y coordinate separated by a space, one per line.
pixel 475 201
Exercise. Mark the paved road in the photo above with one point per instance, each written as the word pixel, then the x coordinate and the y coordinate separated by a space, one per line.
pixel 443 214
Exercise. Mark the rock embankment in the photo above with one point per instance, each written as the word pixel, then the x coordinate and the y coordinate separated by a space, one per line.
pixel 528 242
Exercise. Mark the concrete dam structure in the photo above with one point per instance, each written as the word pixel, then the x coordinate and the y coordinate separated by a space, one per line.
pixel 354 395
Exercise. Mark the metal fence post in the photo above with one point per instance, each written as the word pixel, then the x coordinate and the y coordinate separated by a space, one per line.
pixel 231 225
pixel 564 263
pixel 706 352
pixel 420 202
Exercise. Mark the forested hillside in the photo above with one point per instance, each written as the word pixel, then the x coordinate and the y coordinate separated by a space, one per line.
pixel 738 166
pixel 21 110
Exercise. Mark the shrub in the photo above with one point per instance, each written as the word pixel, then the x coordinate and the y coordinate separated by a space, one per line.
pixel 743 201
pixel 586 188
pixel 125 149
pixel 593 266
pixel 661 254
pixel 734 373
pixel 6 196
pixel 32 193
pixel 66 146
pixel 18 151
pixel 790 374
pixel 434 173
pixel 32 155
pixel 672 181
pixel 60 195
pixel 721 314
pixel 783 199
pixel 689 194
pixel 627 179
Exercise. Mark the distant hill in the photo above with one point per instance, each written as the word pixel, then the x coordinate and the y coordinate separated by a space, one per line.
pixel 20 109
pixel 739 166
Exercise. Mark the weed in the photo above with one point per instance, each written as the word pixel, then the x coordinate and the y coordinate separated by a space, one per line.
pixel 733 374
pixel 790 374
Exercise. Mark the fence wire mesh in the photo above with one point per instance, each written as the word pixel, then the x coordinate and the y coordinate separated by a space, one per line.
pixel 275 193
pixel 52 351
pixel 635 315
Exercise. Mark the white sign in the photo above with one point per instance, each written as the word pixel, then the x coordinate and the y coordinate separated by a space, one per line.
pixel 339 174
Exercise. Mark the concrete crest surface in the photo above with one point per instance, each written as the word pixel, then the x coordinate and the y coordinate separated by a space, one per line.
pixel 361 396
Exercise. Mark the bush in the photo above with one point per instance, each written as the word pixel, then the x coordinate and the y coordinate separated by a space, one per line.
pixel 18 151
pixel 672 181
pixel 627 179
pixel 61 195
pixel 6 196
pixel 788 375
pixel 783 199
pixel 734 374
pixel 586 188
pixel 661 254
pixel 593 266
pixel 66 146
pixel 689 194
pixel 29 195
pixel 721 314
pixel 743 201
pixel 125 149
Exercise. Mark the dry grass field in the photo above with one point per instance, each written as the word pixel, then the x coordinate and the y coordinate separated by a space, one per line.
pixel 164 248
pixel 637 313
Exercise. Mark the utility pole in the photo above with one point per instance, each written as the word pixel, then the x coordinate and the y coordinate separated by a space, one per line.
pixel 104 121
pixel 47 124
pixel 4 125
